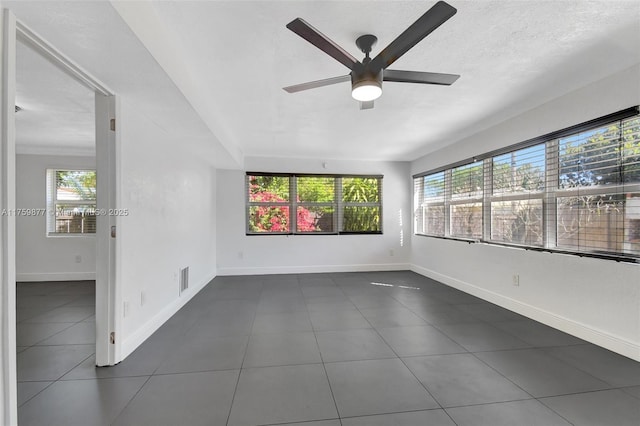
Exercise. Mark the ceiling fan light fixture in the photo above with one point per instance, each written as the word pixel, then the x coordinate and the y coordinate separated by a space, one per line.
pixel 365 91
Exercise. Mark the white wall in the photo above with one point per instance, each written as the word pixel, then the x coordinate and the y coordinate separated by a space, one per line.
pixel 597 300
pixel 267 254
pixel 170 192
pixel 8 391
pixel 42 258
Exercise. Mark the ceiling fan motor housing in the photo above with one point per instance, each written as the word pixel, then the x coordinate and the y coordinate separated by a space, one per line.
pixel 362 75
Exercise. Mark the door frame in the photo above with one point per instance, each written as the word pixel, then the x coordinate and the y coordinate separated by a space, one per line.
pixel 107 139
pixel 107 347
pixel 8 392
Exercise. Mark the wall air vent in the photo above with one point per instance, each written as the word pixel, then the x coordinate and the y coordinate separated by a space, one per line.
pixel 184 279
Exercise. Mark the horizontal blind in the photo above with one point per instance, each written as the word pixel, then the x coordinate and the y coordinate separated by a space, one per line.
pixel 268 207
pixel 598 189
pixel 315 204
pixel 71 201
pixel 429 197
pixel 279 203
pixel 518 182
pixel 465 211
pixel 631 183
pixel 575 190
pixel 360 204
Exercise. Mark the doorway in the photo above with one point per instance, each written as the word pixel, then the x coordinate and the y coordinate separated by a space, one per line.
pixel 93 285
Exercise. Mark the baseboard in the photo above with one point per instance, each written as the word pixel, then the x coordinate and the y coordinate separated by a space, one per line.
pixel 598 337
pixel 55 276
pixel 132 342
pixel 270 270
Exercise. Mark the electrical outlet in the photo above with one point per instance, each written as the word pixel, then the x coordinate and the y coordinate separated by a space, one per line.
pixel 125 308
pixel 516 280
pixel 240 255
pixel 143 298
pixel 78 258
pixel 391 252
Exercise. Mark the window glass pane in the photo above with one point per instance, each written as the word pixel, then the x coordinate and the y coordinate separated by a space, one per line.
pixel 433 187
pixel 632 224
pixel 518 222
pixel 466 220
pixel 429 196
pixel 606 223
pixel 315 219
pixel 519 171
pixel 432 219
pixel 361 219
pixel 269 219
pixel 466 181
pixel 590 158
pixel 360 190
pixel 631 150
pixel 75 219
pixel 75 185
pixel 269 189
pixel 316 189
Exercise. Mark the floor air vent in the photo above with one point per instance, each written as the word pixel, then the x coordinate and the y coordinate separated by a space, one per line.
pixel 184 279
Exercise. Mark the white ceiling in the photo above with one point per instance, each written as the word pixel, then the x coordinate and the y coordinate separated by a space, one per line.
pixel 512 56
pixel 57 112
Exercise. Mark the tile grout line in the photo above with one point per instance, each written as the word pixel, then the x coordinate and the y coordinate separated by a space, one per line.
pixel 324 367
pixel 403 363
pixel 500 373
pixel 235 389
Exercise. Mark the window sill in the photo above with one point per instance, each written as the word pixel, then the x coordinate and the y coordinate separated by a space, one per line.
pixel 311 233
pixel 618 257
pixel 63 235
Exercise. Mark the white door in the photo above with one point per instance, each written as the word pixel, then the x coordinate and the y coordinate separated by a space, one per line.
pixel 107 343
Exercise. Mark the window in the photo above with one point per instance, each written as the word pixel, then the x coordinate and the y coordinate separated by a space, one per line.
pixel 465 208
pixel 315 204
pixel 597 196
pixel 71 202
pixel 323 204
pixel 576 190
pixel 361 206
pixel 518 191
pixel 430 217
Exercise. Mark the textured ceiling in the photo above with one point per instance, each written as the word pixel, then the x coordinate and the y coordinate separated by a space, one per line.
pixel 57 112
pixel 512 56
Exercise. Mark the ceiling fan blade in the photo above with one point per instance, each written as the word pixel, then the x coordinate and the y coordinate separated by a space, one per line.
pixel 419 77
pixel 366 105
pixel 317 83
pixel 426 24
pixel 322 42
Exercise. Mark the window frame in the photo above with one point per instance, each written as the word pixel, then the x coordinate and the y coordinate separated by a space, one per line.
pixel 52 201
pixel 523 195
pixel 549 195
pixel 338 204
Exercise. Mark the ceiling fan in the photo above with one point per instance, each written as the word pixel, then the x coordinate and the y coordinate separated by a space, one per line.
pixel 367 75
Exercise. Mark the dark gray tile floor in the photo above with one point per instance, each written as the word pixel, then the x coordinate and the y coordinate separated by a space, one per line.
pixel 335 349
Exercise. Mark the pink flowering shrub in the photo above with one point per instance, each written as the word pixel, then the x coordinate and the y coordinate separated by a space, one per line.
pixel 275 218
pixel 306 220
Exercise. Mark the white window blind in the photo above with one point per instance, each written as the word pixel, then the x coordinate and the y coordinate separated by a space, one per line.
pixel 598 194
pixel 576 190
pixel 429 196
pixel 71 202
pixel 313 204
pixel 361 204
pixel 268 207
pixel 465 209
pixel 518 182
